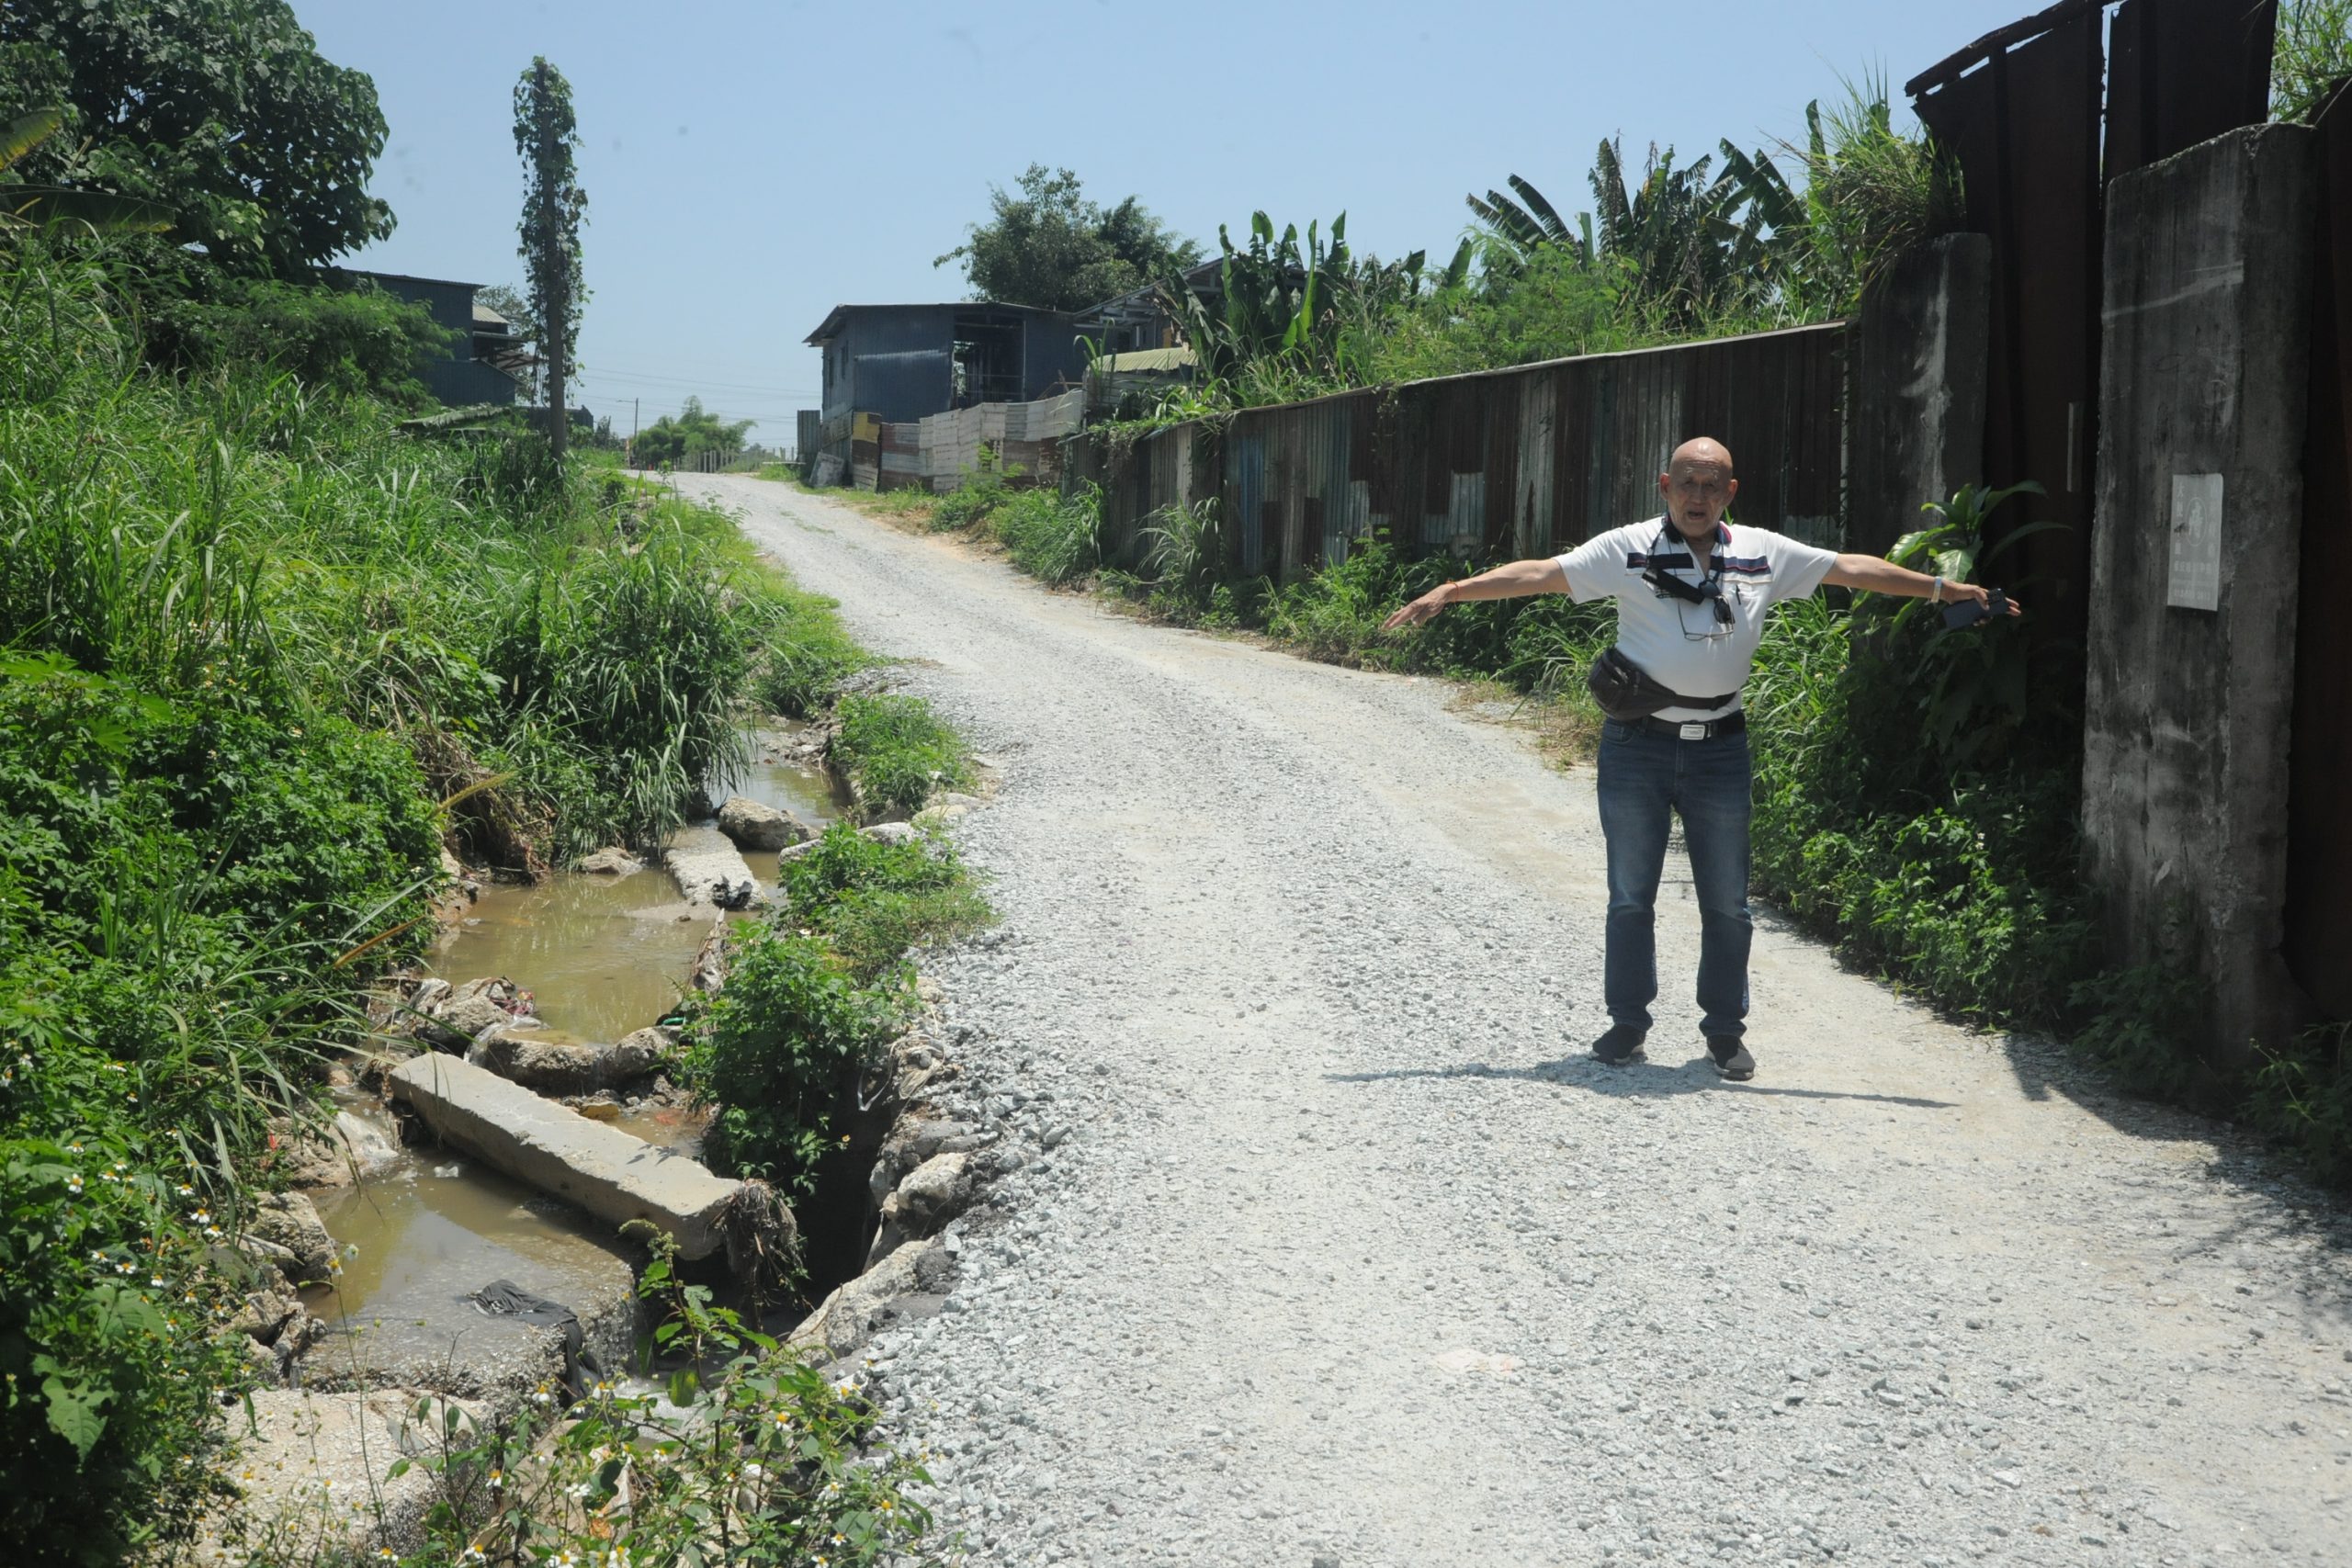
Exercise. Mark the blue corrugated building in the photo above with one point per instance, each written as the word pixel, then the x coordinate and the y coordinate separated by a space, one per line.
pixel 468 376
pixel 900 363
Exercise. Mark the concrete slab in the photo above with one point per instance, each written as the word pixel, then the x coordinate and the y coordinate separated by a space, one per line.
pixel 313 1479
pixel 613 1176
pixel 710 871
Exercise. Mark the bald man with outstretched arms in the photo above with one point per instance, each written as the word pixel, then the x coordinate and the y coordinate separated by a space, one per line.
pixel 1690 757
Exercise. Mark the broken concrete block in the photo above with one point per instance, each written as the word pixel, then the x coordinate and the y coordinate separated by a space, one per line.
pixel 553 1147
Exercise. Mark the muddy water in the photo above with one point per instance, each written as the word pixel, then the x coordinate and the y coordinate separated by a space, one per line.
pixel 809 793
pixel 424 1240
pixel 602 955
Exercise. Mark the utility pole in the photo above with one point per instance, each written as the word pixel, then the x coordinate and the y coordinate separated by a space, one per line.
pixel 636 406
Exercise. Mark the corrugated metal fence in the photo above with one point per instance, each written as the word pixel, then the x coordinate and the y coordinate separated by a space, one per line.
pixel 1523 462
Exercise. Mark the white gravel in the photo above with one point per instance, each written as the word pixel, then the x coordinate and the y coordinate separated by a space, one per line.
pixel 1350 1254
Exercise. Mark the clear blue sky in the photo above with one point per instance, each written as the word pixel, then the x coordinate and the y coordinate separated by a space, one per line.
pixel 750 166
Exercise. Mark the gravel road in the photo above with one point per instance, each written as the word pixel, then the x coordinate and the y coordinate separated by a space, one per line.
pixel 1333 1245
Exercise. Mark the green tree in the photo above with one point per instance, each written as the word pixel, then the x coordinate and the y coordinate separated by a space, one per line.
pixel 1050 247
pixel 222 111
pixel 547 135
pixel 694 432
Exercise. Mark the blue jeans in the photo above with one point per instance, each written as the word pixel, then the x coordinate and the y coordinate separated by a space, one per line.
pixel 1644 776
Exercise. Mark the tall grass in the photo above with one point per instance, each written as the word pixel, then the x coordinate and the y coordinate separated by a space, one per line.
pixel 2312 53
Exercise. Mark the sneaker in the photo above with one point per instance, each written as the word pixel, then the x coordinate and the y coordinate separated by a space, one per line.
pixel 1621 1045
pixel 1730 1057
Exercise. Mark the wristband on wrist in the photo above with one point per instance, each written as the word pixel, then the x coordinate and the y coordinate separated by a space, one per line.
pixel 1936 592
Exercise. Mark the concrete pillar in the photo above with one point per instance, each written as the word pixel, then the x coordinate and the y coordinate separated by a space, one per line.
pixel 1916 368
pixel 2202 397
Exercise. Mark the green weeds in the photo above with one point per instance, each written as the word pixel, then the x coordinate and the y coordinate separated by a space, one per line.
pixel 2302 1098
pixel 808 654
pixel 1056 539
pixel 748 1455
pixel 874 901
pixel 897 751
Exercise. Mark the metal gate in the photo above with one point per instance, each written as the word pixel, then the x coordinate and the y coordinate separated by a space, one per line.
pixel 2319 828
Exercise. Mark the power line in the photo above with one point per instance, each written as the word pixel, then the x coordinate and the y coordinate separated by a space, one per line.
pixel 611 373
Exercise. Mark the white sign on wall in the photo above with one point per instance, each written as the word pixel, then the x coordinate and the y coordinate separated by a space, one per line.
pixel 2195 582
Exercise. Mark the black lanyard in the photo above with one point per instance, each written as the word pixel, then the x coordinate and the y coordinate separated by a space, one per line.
pixel 1665 581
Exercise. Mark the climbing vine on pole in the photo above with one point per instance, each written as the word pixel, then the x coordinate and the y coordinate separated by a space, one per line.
pixel 546 135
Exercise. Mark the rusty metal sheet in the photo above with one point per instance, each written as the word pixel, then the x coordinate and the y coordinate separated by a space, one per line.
pixel 2319 830
pixel 1528 461
pixel 2183 72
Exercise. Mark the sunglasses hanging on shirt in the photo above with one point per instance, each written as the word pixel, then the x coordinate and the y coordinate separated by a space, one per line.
pixel 1710 591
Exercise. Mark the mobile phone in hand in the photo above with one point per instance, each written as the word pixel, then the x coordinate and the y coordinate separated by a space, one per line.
pixel 1968 611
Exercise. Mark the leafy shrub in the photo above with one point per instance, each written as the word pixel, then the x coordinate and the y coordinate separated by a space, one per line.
pixel 1056 539
pixel 778 1052
pixel 2142 1026
pixel 155 1019
pixel 1957 882
pixel 2301 1096
pixel 971 501
pixel 897 751
pixel 874 901
pixel 339 341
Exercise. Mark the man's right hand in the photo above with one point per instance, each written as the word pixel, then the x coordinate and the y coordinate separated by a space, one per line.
pixel 1422 609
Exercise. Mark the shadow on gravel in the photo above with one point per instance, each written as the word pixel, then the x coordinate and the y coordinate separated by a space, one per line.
pixel 1647 1081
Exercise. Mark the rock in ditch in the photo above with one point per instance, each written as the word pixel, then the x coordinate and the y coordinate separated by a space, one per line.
pixel 933 1192
pixel 910 1282
pixel 351 1148
pixel 755 824
pixel 464 1015
pixel 554 1148
pixel 611 861
pixel 287 1220
pixel 552 1065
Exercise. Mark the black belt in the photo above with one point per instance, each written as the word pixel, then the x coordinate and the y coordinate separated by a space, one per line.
pixel 1694 729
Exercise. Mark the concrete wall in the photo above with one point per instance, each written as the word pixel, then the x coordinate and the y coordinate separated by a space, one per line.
pixel 2203 391
pixel 1915 363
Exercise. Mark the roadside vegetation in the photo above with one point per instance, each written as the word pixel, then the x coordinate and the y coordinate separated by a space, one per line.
pixel 265 655
pixel 269 649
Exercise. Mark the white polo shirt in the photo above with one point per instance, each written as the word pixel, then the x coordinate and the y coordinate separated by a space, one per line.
pixel 1682 646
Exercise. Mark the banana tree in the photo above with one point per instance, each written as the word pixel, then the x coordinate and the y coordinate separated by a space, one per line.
pixel 25 208
pixel 1284 310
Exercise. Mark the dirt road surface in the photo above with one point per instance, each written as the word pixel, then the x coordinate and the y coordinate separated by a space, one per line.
pixel 1332 1245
